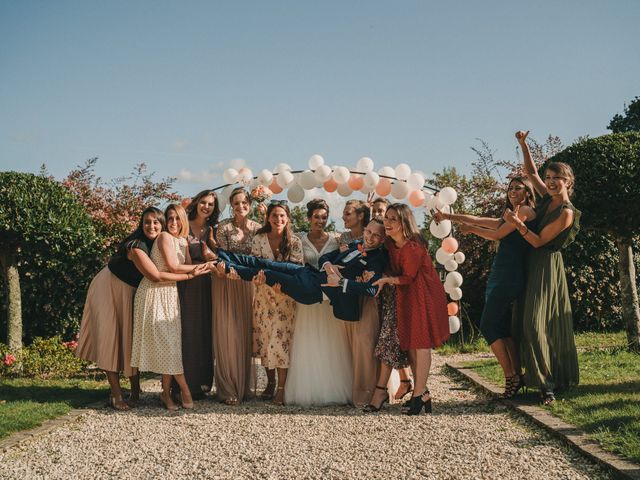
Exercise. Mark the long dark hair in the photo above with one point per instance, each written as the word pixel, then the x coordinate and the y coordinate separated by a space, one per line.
pixel 528 186
pixel 285 243
pixel 410 229
pixel 138 234
pixel 192 208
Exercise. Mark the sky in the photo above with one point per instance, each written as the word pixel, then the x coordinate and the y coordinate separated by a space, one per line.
pixel 192 87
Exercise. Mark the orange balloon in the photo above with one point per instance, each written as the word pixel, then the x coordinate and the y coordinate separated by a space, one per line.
pixel 416 198
pixel 384 187
pixel 452 308
pixel 330 185
pixel 450 245
pixel 274 187
pixel 356 182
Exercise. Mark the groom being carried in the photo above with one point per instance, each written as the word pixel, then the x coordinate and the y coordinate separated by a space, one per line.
pixel 337 278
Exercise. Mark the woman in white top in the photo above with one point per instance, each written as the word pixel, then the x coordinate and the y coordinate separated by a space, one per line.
pixel 320 372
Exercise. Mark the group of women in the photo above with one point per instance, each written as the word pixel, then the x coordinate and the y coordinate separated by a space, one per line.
pixel 527 317
pixel 162 306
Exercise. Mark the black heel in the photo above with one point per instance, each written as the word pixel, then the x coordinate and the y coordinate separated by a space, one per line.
pixel 416 404
pixel 512 385
pixel 369 408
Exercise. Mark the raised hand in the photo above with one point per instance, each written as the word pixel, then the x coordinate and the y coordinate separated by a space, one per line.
pixel 439 216
pixel 521 135
pixel 233 274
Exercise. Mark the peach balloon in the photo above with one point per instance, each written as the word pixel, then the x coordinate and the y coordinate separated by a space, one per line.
pixel 384 187
pixel 416 198
pixel 450 245
pixel 274 187
pixel 330 185
pixel 356 182
pixel 452 308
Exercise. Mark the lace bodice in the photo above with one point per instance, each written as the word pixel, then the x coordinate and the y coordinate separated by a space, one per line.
pixel 228 236
pixel 311 255
pixel 261 248
pixel 179 245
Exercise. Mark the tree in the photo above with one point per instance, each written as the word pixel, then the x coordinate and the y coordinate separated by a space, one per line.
pixel 46 236
pixel 608 192
pixel 628 122
pixel 115 207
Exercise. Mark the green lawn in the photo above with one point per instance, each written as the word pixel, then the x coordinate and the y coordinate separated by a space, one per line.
pixel 26 403
pixel 606 404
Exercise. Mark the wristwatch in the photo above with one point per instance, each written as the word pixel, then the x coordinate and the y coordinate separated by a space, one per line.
pixel 341 282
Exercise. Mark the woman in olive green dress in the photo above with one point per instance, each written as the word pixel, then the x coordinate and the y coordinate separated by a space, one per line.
pixel 547 343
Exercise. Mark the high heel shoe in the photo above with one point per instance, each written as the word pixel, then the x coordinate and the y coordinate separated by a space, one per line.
pixel 187 406
pixel 416 404
pixel 408 390
pixel 512 385
pixel 370 407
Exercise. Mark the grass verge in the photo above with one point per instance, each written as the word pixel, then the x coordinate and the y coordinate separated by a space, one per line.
pixel 606 404
pixel 26 403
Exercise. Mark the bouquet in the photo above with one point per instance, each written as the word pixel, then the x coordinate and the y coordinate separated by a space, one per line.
pixel 261 194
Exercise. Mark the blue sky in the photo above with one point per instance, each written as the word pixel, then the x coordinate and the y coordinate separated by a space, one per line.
pixel 189 87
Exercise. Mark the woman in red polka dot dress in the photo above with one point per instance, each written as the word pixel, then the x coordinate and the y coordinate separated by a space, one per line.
pixel 423 322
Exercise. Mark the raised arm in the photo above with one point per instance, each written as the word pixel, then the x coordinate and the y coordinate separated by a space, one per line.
pixel 528 164
pixel 165 244
pixel 524 213
pixel 485 222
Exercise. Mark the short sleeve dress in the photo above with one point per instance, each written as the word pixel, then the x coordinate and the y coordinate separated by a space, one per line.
pixel 547 343
pixel 273 314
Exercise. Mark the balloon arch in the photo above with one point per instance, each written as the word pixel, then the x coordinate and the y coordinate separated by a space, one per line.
pixel 400 182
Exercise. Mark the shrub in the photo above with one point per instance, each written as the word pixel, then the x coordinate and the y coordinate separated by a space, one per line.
pixel 44 358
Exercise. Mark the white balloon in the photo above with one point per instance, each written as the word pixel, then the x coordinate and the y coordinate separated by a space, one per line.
pixel 456 293
pixel 403 171
pixel 454 279
pixel 315 161
pixel 284 178
pixel 448 288
pixel 442 256
pixel 454 324
pixel 344 190
pixel 265 176
pixel 366 189
pixel 387 172
pixel 230 175
pixel 341 175
pixel 440 230
pixel 415 181
pixel 399 189
pixel 223 198
pixel 430 203
pixel 459 257
pixel 245 176
pixel 323 173
pixel 282 167
pixel 365 164
pixel 448 195
pixel 307 180
pixel 451 265
pixel 295 194
pixel 439 204
pixel 371 180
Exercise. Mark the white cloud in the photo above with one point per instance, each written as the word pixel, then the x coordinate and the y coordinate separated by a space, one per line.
pixel 204 176
pixel 180 144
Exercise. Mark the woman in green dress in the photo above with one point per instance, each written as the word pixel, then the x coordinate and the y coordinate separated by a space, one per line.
pixel 548 351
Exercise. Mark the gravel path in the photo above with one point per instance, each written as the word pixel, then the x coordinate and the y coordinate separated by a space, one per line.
pixel 466 437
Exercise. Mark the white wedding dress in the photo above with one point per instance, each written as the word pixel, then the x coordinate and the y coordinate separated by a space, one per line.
pixel 320 370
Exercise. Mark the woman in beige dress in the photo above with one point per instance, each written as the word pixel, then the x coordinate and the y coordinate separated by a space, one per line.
pixel 233 306
pixel 157 326
pixel 274 312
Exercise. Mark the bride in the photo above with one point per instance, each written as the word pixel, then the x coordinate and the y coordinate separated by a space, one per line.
pixel 320 369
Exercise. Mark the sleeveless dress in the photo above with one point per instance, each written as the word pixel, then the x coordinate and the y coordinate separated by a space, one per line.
pixel 504 286
pixel 195 309
pixel 232 319
pixel 547 344
pixel 157 328
pixel 320 371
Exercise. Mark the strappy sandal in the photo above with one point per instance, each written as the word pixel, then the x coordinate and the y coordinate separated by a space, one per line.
pixel 370 407
pixel 548 398
pixel 404 394
pixel 512 385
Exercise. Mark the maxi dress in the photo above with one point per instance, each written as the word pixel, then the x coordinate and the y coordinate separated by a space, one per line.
pixel 320 372
pixel 232 318
pixel 547 344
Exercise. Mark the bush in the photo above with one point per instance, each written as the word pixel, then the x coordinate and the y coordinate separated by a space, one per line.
pixel 44 358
